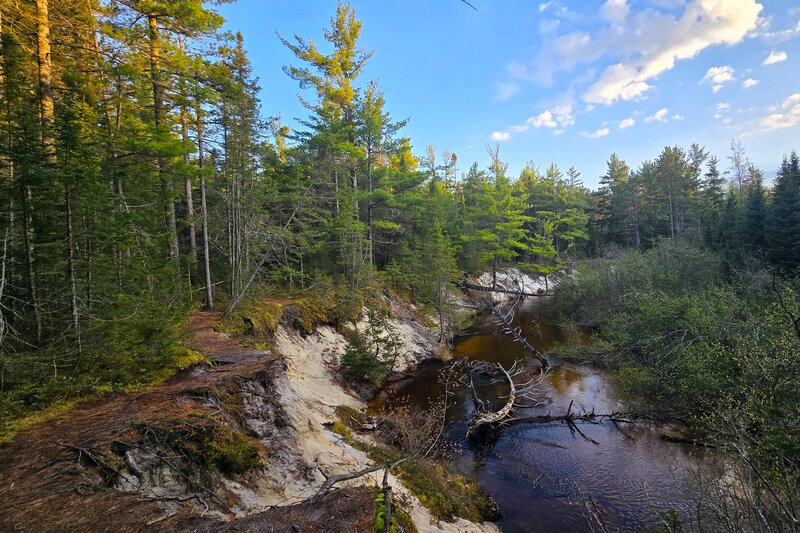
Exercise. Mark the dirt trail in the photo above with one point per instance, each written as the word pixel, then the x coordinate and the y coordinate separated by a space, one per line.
pixel 44 482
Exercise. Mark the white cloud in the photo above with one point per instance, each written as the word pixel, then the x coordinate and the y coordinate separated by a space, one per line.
pixel 615 11
pixel 775 57
pixel 559 116
pixel 719 75
pixel 627 123
pixel 787 115
pixel 543 6
pixel 506 90
pixel 749 82
pixel 677 117
pixel 776 37
pixel 618 82
pixel 544 119
pixel 658 116
pixel 602 132
pixel 650 42
pixel 721 109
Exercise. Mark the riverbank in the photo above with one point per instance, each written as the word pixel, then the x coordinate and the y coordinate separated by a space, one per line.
pixel 216 443
pixel 547 476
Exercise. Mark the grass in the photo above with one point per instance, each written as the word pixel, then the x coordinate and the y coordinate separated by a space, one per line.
pixel 34 401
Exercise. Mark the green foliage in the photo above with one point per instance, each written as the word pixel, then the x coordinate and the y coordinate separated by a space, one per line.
pixel 208 443
pixel 684 336
pixel 380 516
pixel 370 356
pixel 143 350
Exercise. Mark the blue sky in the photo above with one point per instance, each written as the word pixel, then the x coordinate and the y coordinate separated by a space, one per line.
pixel 560 81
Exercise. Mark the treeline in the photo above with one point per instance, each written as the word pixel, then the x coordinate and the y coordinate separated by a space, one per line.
pixel 684 196
pixel 140 178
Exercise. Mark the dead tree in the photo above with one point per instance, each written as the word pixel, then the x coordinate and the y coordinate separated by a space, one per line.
pixel 504 321
pixel 523 395
pixel 520 395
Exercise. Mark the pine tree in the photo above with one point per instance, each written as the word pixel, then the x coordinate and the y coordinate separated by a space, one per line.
pixel 784 216
pixel 754 230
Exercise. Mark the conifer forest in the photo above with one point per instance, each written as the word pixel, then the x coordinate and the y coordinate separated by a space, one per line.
pixel 158 227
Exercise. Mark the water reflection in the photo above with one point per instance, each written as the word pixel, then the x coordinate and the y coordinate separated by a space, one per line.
pixel 542 475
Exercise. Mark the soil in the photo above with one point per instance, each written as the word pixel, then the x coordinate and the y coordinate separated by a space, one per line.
pixel 55 476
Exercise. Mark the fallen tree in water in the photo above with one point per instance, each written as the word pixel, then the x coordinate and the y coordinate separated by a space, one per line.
pixel 504 321
pixel 523 395
pixel 483 288
pixel 518 395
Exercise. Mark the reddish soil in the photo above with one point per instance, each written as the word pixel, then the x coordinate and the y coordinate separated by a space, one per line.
pixel 48 481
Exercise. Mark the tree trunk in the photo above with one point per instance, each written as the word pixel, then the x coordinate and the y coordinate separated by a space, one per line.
pixel 46 109
pixel 203 209
pixel 187 180
pixel 158 117
pixel 27 238
pixel 369 209
pixel 73 289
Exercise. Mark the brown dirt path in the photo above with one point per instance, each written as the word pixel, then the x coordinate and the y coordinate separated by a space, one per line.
pixel 45 484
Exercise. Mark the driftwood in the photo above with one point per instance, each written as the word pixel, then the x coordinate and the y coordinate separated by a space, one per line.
pixel 504 321
pixel 483 288
pixel 518 393
pixel 330 481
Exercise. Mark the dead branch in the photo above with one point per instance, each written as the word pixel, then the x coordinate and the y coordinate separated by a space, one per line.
pixel 333 480
pixel 504 321
pixel 518 393
pixel 483 288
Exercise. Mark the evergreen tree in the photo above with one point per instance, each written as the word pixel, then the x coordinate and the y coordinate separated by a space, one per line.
pixel 784 216
pixel 754 227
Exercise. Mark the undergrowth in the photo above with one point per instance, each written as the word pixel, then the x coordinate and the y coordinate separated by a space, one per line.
pixel 141 351
pixel 446 494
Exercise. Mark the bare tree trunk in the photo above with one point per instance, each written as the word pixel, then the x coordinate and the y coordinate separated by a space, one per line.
pixel 27 238
pixel 203 208
pixel 370 229
pixel 187 180
pixel 336 186
pixel 88 253
pixel 158 116
pixel 73 291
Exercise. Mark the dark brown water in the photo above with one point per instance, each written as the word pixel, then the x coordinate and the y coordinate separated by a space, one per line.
pixel 544 477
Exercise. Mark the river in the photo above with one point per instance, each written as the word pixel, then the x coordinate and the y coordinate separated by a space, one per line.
pixel 544 477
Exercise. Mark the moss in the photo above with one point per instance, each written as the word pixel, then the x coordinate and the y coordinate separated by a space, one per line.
pixel 39 401
pixel 344 431
pixel 446 494
pixel 350 416
pixel 208 443
pixel 426 320
pixel 10 428
pixel 313 312
pixel 230 452
pixel 181 358
pixel 258 317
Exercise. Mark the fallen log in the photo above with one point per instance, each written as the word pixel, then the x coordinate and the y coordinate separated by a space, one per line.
pixel 516 333
pixel 330 481
pixel 517 392
pixel 483 288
